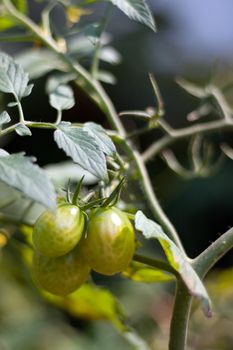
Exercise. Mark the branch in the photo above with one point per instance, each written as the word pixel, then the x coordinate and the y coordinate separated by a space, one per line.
pixel 174 135
pixel 158 264
pixel 203 263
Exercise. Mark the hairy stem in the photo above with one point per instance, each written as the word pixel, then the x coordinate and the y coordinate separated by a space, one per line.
pixel 202 264
pixel 207 259
pixel 180 317
pixel 174 135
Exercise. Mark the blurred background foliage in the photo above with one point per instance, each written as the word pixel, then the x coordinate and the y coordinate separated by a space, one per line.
pixel 194 40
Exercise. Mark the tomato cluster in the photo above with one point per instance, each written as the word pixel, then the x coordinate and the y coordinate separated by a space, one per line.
pixel 64 254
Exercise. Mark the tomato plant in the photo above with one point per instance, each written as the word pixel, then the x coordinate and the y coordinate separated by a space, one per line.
pixel 61 275
pixel 56 233
pixel 110 242
pixel 85 216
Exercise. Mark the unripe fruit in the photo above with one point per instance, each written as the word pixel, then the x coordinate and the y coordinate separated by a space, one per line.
pixel 57 232
pixel 61 275
pixel 110 242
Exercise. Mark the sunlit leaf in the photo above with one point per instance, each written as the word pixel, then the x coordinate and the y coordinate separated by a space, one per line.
pixel 142 273
pixel 92 303
pixel 176 258
pixel 13 78
pixel 39 62
pixel 137 10
pixel 102 139
pixel 19 172
pixel 82 148
pixel 6 21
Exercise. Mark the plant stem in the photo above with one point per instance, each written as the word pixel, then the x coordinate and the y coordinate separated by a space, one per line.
pixel 174 135
pixel 159 264
pixel 103 24
pixel 203 263
pixel 180 317
pixel 149 193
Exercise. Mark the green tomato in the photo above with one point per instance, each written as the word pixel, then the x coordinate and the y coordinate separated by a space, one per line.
pixel 61 275
pixel 57 232
pixel 110 242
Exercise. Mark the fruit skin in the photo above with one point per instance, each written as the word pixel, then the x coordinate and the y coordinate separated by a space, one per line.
pixel 61 275
pixel 57 232
pixel 109 245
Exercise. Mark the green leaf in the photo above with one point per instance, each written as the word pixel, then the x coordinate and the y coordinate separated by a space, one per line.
pixel 137 10
pixel 82 148
pixel 110 55
pixel 142 273
pixel 39 62
pixel 102 139
pixel 3 153
pixel 21 5
pixel 23 130
pixel 4 118
pixel 62 98
pixel 91 303
pixel 176 259
pixel 18 171
pixel 13 78
pixel 6 21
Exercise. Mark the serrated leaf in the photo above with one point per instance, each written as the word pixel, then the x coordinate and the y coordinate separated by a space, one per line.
pixel 18 171
pixel 62 98
pixel 13 78
pixel 23 130
pixel 4 118
pixel 39 62
pixel 176 258
pixel 91 303
pixel 137 10
pixel 82 148
pixel 142 273
pixel 102 139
